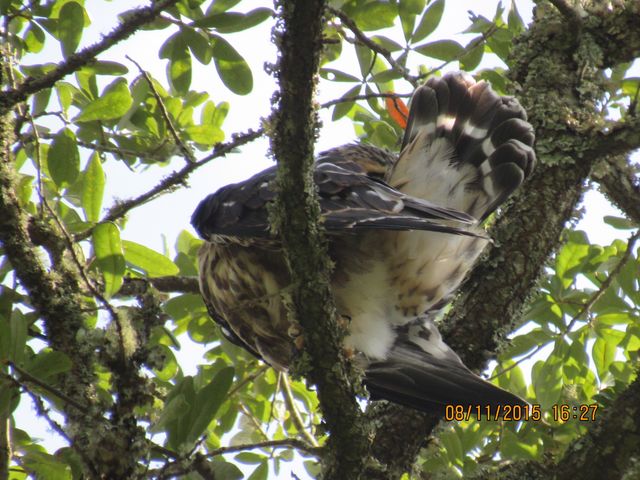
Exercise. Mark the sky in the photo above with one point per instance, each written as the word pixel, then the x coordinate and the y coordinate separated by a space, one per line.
pixel 163 219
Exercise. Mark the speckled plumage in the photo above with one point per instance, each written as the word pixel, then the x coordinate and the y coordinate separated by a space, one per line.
pixel 402 233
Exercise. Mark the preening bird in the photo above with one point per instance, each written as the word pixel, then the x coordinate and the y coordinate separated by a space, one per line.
pixel 403 232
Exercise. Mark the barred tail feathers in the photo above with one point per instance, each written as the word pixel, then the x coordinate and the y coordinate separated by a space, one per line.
pixel 465 146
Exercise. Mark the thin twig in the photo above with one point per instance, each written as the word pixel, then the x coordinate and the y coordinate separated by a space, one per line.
pixel 368 96
pixel 284 443
pixel 247 379
pixel 102 148
pixel 295 413
pixel 186 151
pixel 76 61
pixel 359 34
pixel 254 420
pixel 606 283
pixel 176 178
pixel 30 378
pixel 585 308
pixel 89 284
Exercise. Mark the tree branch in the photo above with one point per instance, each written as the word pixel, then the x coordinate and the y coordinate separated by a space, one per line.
pixel 31 85
pixel 611 444
pixel 618 180
pixel 169 284
pixel 173 180
pixel 528 230
pixel 296 214
pixel 362 38
pixel 184 148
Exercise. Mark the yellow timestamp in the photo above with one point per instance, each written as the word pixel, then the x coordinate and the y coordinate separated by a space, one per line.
pixel 507 412
pixel 581 413
pixel 518 413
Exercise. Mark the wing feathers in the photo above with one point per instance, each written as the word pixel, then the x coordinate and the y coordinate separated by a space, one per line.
pixel 422 372
pixel 349 198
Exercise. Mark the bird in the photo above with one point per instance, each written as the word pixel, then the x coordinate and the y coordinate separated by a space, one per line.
pixel 403 231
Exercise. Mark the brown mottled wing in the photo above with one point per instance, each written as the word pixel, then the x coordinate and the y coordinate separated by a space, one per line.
pixel 349 199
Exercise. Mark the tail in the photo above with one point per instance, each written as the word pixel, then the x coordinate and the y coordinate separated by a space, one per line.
pixel 423 373
pixel 464 143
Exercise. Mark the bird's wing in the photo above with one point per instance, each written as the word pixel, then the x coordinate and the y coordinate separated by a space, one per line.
pixel 423 373
pixel 350 199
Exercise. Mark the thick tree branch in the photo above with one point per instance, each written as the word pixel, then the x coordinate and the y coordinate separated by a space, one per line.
pixel 296 215
pixel 31 85
pixel 56 295
pixel 619 181
pixel 608 450
pixel 558 89
pixel 616 30
pixel 610 446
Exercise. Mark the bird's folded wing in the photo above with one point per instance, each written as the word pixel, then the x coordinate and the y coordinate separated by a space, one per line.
pixel 349 199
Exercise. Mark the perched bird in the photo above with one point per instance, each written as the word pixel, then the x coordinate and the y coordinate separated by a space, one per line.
pixel 403 232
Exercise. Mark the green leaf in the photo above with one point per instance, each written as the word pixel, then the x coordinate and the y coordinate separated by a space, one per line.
pixel 207 402
pixel 514 20
pixel 225 470
pixel 14 337
pixel 214 114
pixel 547 380
pixel 114 102
pixel 93 189
pixel 500 47
pixel 34 38
pixel 513 446
pixel 603 354
pixel 620 223
pixel 576 362
pixel 524 343
pixel 230 22
pixel 70 25
pixel 204 134
pixel 41 101
pixel 199 45
pixel 386 42
pixel 9 397
pixel 179 70
pixel 375 15
pixel 570 258
pixel 109 256
pixel 174 409
pixel 46 466
pixel 342 108
pixel 429 21
pixel 334 75
pixel 221 6
pixel 365 59
pixel 261 472
pixel 104 67
pixel 408 10
pixel 446 50
pixel 152 262
pixel 64 159
pixel 473 55
pixel 65 94
pixel 48 363
pixel 232 68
